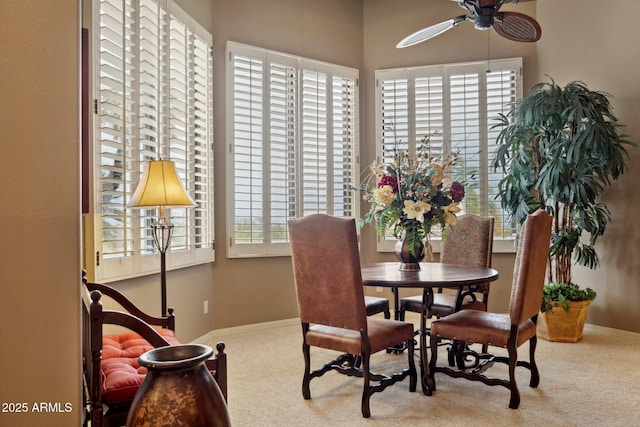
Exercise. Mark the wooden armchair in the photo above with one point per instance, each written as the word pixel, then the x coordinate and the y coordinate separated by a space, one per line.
pixel 111 371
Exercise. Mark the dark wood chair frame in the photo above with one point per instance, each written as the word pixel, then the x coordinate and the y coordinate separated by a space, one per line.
pixel 134 319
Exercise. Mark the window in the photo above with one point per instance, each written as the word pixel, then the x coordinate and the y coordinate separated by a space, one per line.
pixel 293 145
pixel 455 106
pixel 153 86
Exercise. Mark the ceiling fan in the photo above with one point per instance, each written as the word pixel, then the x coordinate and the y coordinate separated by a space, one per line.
pixel 484 14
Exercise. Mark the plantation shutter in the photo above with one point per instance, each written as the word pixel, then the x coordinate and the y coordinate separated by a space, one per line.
pixel 394 115
pixel 248 149
pixel 345 162
pixel 190 127
pixel 503 89
pixel 429 122
pixel 154 86
pixel 283 109
pixel 466 130
pixel 116 126
pixel 314 144
pixel 455 106
pixel 293 145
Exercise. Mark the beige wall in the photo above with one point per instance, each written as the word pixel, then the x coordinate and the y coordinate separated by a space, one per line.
pixel 582 40
pixel 40 210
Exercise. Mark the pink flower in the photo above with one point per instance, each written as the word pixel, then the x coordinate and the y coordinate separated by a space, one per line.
pixel 456 191
pixel 390 180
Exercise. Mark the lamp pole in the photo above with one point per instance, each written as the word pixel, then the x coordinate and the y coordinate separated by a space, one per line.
pixel 162 231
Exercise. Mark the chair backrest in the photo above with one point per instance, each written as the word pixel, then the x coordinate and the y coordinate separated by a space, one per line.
pixel 530 267
pixel 469 242
pixel 327 275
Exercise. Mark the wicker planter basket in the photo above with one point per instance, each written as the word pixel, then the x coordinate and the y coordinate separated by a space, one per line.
pixel 559 325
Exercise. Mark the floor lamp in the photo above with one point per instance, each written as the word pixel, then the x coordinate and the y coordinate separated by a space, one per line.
pixel 160 187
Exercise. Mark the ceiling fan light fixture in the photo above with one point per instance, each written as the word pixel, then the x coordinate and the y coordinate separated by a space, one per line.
pixel 485 17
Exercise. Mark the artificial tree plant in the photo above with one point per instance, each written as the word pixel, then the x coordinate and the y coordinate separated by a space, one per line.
pixel 560 148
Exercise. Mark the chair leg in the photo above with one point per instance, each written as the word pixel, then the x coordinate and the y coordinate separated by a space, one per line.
pixel 366 390
pixel 387 313
pixel 413 376
pixel 306 378
pixel 451 355
pixel 535 375
pixel 514 401
pixel 401 314
pixel 433 343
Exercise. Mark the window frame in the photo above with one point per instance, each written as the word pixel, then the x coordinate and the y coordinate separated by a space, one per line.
pixel 445 71
pixel 190 142
pixel 269 57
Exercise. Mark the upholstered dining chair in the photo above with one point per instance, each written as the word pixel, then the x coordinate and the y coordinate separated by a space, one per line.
pixel 330 295
pixel 469 242
pixel 510 330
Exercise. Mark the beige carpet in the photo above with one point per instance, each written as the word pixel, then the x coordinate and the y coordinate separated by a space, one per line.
pixel 595 382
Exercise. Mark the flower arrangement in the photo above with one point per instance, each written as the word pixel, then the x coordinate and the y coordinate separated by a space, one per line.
pixel 412 195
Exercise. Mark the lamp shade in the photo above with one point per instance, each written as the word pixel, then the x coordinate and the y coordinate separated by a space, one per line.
pixel 160 186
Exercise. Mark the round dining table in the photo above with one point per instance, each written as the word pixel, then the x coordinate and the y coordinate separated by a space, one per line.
pixel 431 276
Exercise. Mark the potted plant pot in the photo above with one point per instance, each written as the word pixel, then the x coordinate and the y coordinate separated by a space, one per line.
pixel 560 325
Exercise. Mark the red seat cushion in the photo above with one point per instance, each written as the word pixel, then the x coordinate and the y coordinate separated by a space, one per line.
pixel 122 375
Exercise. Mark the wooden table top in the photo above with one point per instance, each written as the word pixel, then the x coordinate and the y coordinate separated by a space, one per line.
pixel 432 274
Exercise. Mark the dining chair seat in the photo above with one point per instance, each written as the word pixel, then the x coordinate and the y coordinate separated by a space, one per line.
pixel 477 326
pixel 382 335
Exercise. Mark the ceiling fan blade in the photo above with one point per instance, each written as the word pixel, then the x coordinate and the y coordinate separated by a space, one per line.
pixel 430 32
pixel 517 27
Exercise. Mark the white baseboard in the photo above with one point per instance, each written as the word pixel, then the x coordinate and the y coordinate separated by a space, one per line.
pixel 216 334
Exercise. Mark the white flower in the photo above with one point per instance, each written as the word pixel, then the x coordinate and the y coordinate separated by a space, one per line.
pixel 416 210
